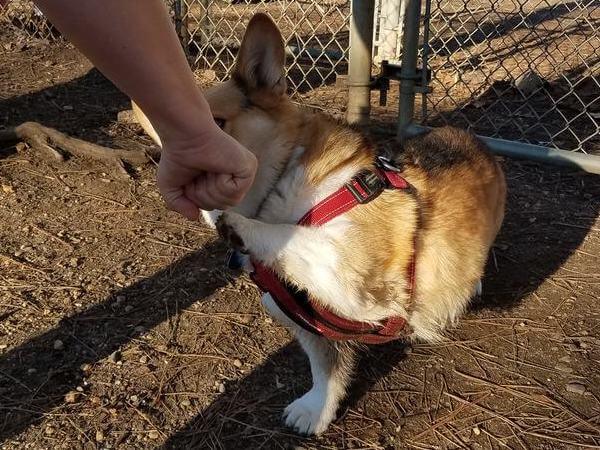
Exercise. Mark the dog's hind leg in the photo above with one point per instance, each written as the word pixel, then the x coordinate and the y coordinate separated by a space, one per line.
pixel 331 365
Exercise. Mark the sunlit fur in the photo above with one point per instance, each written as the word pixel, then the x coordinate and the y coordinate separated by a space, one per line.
pixel 356 265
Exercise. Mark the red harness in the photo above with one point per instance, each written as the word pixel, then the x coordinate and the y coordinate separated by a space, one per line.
pixel 308 314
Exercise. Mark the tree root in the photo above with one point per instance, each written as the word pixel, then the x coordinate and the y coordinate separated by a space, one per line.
pixel 57 145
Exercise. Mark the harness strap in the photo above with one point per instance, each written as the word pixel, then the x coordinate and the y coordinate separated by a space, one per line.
pixel 363 188
pixel 318 320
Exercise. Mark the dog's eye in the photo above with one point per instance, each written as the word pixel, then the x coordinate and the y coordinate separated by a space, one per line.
pixel 220 122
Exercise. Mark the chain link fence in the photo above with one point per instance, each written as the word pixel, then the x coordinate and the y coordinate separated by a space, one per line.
pixel 315 32
pixel 524 70
pixel 24 15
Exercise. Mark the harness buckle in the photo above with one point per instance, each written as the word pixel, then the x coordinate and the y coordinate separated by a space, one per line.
pixel 365 186
pixel 385 163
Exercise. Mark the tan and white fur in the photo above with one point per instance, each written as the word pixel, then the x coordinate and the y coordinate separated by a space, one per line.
pixel 355 265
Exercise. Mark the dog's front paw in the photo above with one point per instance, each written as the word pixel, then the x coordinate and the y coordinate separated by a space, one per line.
pixel 211 217
pixel 309 414
pixel 226 227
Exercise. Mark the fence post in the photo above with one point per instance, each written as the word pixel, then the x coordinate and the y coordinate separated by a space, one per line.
pixel 408 72
pixel 180 10
pixel 359 64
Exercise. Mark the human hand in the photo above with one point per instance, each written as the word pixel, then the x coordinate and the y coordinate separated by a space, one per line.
pixel 210 170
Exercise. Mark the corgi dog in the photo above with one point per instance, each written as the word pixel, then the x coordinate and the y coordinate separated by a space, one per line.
pixel 415 253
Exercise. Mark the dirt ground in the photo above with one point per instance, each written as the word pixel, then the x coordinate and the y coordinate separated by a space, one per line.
pixel 121 328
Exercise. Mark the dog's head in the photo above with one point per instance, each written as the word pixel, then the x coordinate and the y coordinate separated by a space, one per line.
pixel 250 106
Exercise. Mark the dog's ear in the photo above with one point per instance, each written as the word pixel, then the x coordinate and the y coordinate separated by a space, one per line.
pixel 261 60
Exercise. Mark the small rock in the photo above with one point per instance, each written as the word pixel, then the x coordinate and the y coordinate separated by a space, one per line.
pixel 72 397
pixel 153 435
pixel 576 388
pixel 31 371
pixel 246 319
pixel 268 320
pixel 120 298
pixel 67 108
pixel 58 344
pixel 115 356
pixel 476 431
pixel 86 368
pixel 563 368
pixel 126 116
pixel 99 436
pixel 529 82
pixel 221 388
pixel 49 431
pixel 3 346
pixel 237 363
pixel 74 262
pixel 79 389
pixel 7 189
pixel 186 403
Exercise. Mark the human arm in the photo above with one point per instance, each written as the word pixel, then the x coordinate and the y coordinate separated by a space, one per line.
pixel 134 44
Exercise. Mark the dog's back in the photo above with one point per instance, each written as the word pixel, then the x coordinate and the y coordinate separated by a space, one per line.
pixel 461 191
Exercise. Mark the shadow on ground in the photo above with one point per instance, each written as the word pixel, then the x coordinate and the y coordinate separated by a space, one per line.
pixel 91 336
pixel 82 107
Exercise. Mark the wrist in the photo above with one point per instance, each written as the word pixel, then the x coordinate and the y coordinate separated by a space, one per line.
pixel 185 120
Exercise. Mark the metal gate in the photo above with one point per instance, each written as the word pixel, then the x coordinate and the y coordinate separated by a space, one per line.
pixel 523 74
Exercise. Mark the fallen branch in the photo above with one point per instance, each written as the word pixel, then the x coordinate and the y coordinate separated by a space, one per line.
pixel 48 140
